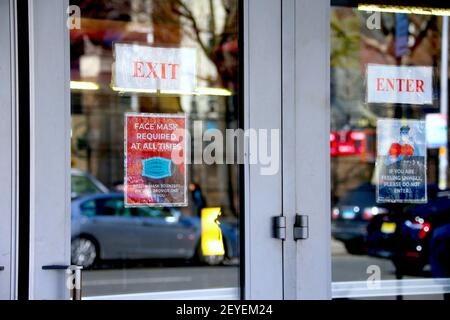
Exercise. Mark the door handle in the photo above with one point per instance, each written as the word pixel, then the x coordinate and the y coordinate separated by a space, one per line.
pixel 2 268
pixel 70 270
pixel 55 267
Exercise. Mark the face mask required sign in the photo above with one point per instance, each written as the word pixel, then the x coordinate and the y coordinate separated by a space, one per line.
pixel 155 160
pixel 405 85
pixel 401 161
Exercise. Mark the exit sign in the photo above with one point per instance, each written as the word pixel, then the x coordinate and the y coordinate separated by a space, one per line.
pixel 153 69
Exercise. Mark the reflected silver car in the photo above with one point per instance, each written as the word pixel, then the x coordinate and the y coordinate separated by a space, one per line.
pixel 104 229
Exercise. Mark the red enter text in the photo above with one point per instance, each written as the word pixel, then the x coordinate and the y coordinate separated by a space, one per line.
pixel 400 85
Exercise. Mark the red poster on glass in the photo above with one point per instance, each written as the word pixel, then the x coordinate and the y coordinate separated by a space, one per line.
pixel 155 160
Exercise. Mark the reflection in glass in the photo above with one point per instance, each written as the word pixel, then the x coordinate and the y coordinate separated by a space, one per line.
pixel 141 250
pixel 408 243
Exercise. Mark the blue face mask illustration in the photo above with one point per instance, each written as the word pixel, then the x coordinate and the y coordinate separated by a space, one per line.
pixel 156 168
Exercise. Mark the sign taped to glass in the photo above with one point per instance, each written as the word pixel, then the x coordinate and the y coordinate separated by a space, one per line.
pixel 401 161
pixel 404 85
pixel 142 68
pixel 436 130
pixel 155 160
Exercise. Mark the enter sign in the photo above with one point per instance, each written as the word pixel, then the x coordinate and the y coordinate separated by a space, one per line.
pixel 392 84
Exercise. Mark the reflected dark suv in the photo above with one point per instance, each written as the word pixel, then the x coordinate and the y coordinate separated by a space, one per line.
pixel 406 237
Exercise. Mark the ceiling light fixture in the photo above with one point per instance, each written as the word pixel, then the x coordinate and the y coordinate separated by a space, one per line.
pixel 404 9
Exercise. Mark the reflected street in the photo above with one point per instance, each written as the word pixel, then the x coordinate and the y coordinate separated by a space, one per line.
pixel 155 277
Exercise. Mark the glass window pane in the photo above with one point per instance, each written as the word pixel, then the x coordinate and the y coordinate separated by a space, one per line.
pixel 389 140
pixel 133 254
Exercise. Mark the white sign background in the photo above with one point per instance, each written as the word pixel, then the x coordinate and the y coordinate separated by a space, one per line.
pixel 424 74
pixel 127 54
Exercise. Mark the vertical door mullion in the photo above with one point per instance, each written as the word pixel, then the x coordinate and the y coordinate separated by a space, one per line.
pixel 263 196
pixel 50 148
pixel 289 147
pixel 8 147
pixel 312 122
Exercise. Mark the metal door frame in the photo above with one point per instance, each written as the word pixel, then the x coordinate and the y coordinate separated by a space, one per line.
pixel 306 147
pixel 8 145
pixel 263 262
pixel 49 212
pixel 312 97
pixel 294 35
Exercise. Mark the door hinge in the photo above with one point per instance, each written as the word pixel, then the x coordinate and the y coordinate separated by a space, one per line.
pixel 279 228
pixel 301 227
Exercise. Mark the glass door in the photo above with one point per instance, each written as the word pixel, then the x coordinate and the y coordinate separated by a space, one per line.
pixel 161 172
pixel 140 221
pixel 389 140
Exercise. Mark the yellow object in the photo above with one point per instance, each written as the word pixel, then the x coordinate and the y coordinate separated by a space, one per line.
pixel 388 227
pixel 212 240
pixel 442 151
